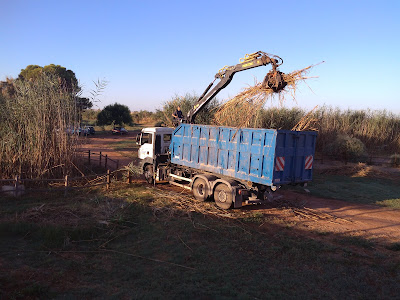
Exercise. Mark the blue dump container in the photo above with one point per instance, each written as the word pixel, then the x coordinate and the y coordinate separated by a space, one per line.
pixel 264 156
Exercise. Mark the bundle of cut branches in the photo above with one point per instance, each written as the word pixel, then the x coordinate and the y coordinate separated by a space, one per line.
pixel 241 110
pixel 308 122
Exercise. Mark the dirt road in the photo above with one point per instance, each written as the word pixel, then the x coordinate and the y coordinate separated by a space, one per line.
pixel 117 147
pixel 323 215
pixel 305 211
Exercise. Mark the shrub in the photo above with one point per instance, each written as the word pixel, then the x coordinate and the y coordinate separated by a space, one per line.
pixel 205 116
pixel 114 114
pixel 347 148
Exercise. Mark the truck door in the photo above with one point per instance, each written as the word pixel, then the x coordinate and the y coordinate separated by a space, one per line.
pixel 146 148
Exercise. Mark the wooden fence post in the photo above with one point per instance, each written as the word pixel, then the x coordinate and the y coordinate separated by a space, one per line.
pixel 89 156
pixel 100 159
pixel 108 179
pixel 105 164
pixel 129 177
pixel 65 185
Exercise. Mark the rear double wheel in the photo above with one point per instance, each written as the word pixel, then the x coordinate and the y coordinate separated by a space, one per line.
pixel 223 196
pixel 200 189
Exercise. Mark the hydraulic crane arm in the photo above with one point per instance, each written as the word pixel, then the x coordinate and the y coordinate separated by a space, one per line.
pixel 273 79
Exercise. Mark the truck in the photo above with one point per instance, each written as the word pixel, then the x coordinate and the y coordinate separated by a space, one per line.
pixel 233 166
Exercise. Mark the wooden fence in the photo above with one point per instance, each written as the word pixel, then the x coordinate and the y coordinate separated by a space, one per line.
pixel 98 158
pixel 17 188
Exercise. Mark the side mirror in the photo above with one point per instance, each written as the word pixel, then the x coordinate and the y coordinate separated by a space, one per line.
pixel 137 139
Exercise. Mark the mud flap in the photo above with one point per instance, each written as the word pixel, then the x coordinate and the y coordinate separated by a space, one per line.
pixel 237 199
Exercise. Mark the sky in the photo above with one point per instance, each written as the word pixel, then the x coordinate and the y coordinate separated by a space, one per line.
pixel 151 51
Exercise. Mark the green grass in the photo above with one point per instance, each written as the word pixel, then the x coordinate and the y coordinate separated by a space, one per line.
pixel 357 190
pixel 393 203
pixel 124 145
pixel 133 243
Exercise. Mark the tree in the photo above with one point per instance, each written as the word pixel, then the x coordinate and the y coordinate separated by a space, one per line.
pixel 114 114
pixel 84 103
pixel 67 77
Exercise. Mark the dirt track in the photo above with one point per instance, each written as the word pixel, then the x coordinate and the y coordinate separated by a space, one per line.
pixel 105 144
pixel 328 215
pixel 313 214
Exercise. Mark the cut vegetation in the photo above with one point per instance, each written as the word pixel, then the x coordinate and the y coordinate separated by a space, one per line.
pixel 134 242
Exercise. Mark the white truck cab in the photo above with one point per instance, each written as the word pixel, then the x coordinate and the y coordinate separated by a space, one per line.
pixel 154 140
pixel 154 144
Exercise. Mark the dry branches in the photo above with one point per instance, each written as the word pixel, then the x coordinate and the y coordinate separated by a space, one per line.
pixel 308 122
pixel 241 111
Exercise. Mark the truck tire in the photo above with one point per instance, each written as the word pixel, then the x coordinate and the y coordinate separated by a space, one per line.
pixel 223 196
pixel 148 173
pixel 200 189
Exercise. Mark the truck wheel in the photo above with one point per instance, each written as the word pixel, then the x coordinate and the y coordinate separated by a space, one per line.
pixel 200 189
pixel 148 173
pixel 223 196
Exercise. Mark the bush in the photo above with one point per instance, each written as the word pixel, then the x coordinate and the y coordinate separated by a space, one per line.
pixel 205 116
pixel 143 117
pixel 347 148
pixel 114 114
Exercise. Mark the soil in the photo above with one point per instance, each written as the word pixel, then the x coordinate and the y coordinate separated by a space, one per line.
pixel 307 212
pixel 323 216
pixel 105 144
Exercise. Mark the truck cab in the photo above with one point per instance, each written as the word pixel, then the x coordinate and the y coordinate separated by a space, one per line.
pixel 154 146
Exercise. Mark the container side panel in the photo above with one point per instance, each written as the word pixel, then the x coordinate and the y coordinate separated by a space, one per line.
pixel 268 154
pixel 246 154
pixel 231 160
pixel 255 165
pixel 223 158
pixel 244 162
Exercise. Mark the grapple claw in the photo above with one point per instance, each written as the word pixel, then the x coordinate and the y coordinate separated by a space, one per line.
pixel 275 81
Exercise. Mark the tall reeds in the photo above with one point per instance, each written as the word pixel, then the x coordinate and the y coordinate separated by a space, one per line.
pixel 34 139
pixel 378 130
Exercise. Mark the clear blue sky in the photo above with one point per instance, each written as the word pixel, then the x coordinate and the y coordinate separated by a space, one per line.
pixel 150 51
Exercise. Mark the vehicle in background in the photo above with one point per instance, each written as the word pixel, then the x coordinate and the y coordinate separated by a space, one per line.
pixel 119 130
pixel 77 130
pixel 90 130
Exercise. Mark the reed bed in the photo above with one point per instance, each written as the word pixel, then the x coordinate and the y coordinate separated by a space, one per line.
pixel 34 141
pixel 379 130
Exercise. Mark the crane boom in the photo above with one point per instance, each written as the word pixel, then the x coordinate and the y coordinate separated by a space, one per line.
pixel 273 79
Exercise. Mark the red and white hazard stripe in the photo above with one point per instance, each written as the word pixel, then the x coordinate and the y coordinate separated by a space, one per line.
pixel 308 162
pixel 279 163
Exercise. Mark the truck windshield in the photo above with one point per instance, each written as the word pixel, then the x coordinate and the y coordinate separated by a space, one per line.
pixel 146 138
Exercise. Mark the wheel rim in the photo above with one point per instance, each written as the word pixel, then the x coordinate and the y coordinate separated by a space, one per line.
pixel 222 196
pixel 200 189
